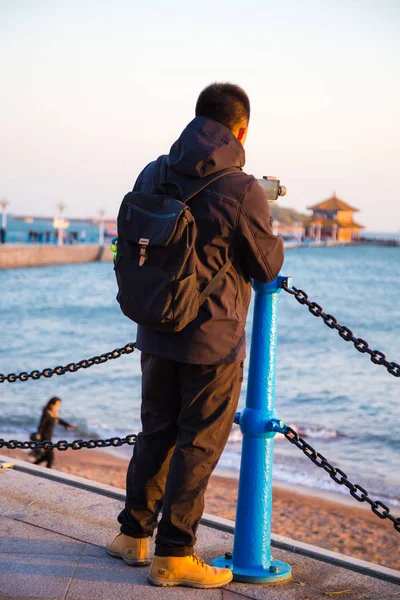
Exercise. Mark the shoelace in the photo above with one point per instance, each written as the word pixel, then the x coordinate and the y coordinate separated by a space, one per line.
pixel 199 561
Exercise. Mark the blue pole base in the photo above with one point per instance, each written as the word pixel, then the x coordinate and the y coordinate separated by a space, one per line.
pixel 276 573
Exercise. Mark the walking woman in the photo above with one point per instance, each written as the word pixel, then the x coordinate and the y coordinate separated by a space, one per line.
pixel 48 420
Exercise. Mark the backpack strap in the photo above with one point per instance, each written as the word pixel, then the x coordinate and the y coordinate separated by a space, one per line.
pixel 197 187
pixel 193 191
pixel 159 186
pixel 211 286
pixel 160 175
pixel 160 182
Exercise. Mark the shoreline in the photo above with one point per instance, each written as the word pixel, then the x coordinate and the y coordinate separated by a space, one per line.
pixel 323 518
pixel 303 490
pixel 308 490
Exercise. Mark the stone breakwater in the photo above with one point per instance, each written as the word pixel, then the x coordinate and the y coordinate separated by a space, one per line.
pixel 38 255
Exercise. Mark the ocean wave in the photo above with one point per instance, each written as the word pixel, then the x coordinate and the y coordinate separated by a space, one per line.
pixel 313 480
pixel 17 423
pixel 322 433
pixel 21 427
pixel 293 474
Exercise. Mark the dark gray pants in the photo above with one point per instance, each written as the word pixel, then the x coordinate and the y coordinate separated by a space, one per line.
pixel 187 414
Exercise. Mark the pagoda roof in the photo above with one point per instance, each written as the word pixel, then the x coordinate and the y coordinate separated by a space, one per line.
pixel 333 203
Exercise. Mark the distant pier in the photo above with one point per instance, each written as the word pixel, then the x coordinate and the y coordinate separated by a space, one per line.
pixel 39 255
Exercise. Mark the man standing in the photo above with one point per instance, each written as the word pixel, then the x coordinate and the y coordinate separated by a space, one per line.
pixel 191 379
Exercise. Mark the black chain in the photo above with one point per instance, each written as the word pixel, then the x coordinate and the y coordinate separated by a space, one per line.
pixel 377 357
pixel 71 367
pixel 359 493
pixel 64 445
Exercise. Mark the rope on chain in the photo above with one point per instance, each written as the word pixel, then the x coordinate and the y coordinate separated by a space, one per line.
pixel 71 367
pixel 359 493
pixel 377 357
pixel 114 442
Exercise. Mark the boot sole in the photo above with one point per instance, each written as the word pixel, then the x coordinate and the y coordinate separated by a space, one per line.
pixel 168 583
pixel 132 562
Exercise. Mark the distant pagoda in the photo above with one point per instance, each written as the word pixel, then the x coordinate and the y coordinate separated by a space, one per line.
pixel 333 219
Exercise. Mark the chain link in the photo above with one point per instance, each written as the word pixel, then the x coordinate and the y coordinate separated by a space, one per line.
pixel 70 368
pixel 64 445
pixel 359 493
pixel 377 357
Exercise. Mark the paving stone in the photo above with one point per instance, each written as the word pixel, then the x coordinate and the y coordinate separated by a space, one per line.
pixel 69 527
pixel 24 538
pixel 228 595
pixel 312 578
pixel 91 550
pixel 106 578
pixel 39 576
pixel 77 513
pixel 30 597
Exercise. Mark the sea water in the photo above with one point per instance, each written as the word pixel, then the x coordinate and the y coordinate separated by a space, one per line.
pixel 344 406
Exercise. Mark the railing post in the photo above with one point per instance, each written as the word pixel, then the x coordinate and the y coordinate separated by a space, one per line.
pixel 251 558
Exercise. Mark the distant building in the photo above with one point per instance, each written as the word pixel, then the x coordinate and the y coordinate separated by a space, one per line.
pixel 43 230
pixel 332 219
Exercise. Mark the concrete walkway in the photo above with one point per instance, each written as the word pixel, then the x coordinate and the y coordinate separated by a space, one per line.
pixel 53 532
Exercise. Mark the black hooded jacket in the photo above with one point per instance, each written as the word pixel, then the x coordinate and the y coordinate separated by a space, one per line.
pixel 233 220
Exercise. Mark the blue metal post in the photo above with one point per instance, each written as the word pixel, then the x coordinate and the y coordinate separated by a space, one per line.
pixel 251 558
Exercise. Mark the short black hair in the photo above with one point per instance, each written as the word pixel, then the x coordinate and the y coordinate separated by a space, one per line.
pixel 226 103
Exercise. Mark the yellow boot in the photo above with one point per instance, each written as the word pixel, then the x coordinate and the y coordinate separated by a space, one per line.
pixel 133 551
pixel 187 570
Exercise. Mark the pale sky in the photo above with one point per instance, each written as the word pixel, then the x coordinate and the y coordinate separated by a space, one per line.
pixel 92 90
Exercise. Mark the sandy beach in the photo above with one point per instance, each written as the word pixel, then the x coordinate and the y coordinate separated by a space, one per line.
pixel 326 520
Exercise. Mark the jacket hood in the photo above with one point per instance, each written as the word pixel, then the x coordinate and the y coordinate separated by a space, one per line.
pixel 205 147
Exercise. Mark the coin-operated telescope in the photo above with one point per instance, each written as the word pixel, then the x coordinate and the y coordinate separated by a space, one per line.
pixel 272 188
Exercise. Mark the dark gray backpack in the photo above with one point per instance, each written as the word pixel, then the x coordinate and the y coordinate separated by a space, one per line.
pixel 155 263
